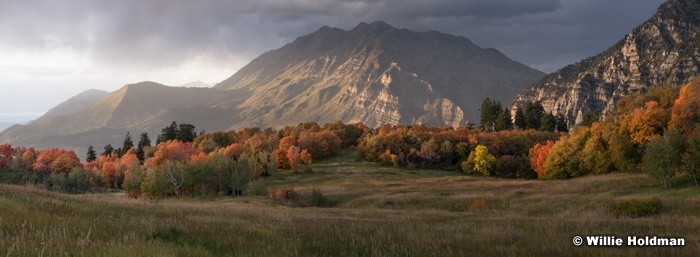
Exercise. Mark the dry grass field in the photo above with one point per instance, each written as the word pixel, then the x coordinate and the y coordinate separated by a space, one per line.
pixel 371 211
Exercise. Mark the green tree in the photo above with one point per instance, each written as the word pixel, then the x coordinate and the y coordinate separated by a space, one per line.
pixel 562 125
pixel 503 121
pixel 486 118
pixel 533 114
pixel 520 121
pixel 128 144
pixel 691 158
pixel 589 117
pixel 144 141
pixel 186 132
pixel 549 123
pixel 663 156
pixel 108 150
pixel 91 154
pixel 168 133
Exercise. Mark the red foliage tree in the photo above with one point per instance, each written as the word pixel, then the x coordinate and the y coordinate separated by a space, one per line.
pixel 538 155
pixel 685 113
pixel 6 154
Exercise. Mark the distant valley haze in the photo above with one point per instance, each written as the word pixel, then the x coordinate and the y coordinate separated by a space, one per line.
pixel 51 51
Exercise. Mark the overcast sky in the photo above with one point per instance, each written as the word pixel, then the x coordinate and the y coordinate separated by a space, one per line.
pixel 52 50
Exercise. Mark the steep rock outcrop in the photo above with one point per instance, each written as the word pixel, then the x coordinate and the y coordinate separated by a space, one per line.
pixel 664 50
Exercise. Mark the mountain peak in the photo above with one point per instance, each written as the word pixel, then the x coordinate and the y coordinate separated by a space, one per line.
pixel 660 51
pixel 377 26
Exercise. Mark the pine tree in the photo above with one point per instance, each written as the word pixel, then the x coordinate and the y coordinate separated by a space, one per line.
pixel 549 123
pixel 128 143
pixel 168 133
pixel 186 132
pixel 144 141
pixel 562 126
pixel 91 154
pixel 503 121
pixel 108 150
pixel 486 119
pixel 533 115
pixel 520 122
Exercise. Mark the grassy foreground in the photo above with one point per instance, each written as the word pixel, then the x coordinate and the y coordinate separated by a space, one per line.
pixel 376 211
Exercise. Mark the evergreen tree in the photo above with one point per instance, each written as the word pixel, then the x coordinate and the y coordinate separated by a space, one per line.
pixel 168 133
pixel 186 132
pixel 486 119
pixel 520 122
pixel 533 115
pixel 91 154
pixel 548 122
pixel 562 126
pixel 144 141
pixel 128 143
pixel 503 121
pixel 108 150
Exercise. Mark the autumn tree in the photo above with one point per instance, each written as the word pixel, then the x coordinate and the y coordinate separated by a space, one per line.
pixel 483 161
pixel 294 157
pixel 56 161
pixel 538 156
pixel 6 154
pixel 685 112
pixel 647 122
pixel 663 156
pixel 91 154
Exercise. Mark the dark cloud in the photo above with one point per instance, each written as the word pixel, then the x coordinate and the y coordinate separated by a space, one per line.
pixel 545 34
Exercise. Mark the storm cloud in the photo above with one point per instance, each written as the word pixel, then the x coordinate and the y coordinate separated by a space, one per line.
pixel 545 34
pixel 51 50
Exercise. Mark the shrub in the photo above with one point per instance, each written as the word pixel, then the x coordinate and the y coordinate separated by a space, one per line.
pixel 637 208
pixel 319 200
pixel 257 187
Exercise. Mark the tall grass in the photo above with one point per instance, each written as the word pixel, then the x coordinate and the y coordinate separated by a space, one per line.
pixel 376 211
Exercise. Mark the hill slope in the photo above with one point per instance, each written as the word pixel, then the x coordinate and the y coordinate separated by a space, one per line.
pixel 127 109
pixel 375 74
pixel 663 50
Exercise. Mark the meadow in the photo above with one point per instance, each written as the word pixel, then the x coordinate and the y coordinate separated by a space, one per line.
pixel 366 210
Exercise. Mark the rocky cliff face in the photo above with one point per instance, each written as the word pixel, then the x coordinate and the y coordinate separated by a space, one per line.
pixel 375 74
pixel 664 50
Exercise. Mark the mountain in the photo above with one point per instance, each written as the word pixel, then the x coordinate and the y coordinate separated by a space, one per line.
pixel 5 125
pixel 375 74
pixel 664 50
pixel 135 108
pixel 77 103
pixel 197 83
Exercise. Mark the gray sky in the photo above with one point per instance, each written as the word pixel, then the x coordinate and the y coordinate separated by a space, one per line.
pixel 52 50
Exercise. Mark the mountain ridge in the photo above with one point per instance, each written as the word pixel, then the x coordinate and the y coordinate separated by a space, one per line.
pixel 664 50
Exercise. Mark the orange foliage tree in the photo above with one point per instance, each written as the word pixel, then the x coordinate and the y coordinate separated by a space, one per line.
pixel 56 161
pixel 686 109
pixel 647 122
pixel 538 156
pixel 173 150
